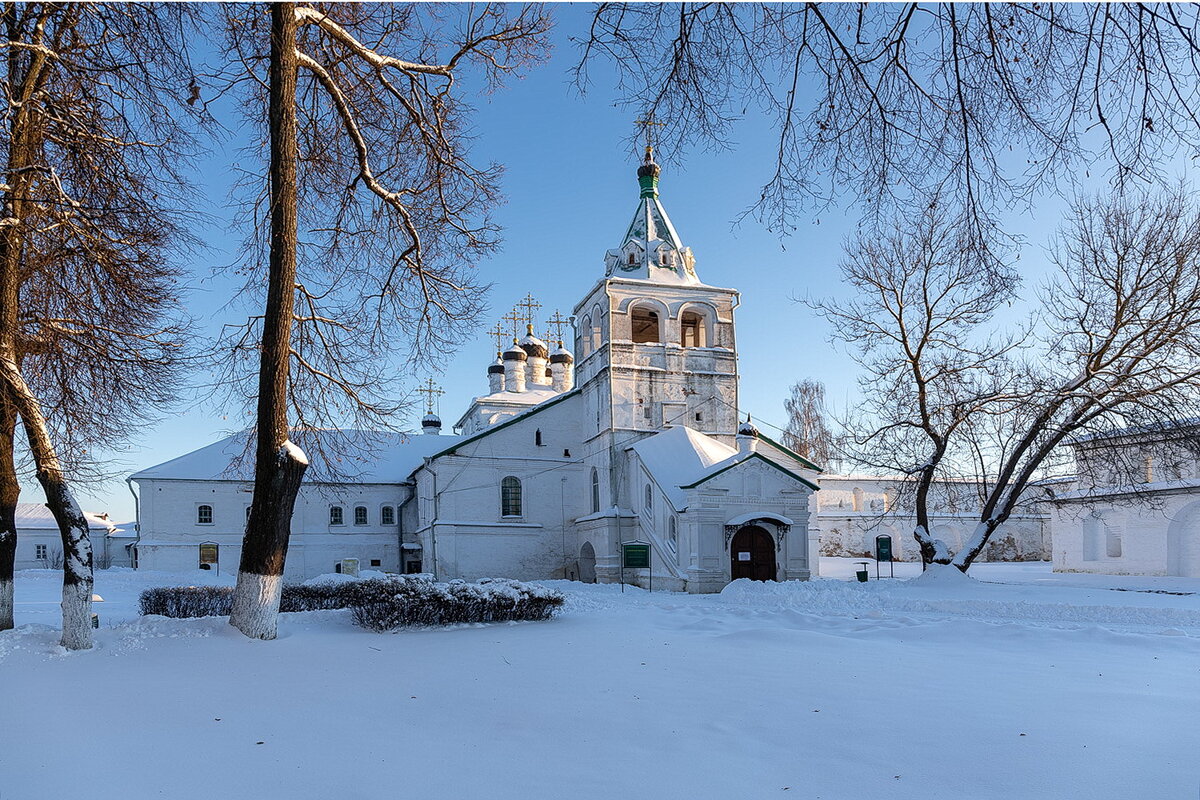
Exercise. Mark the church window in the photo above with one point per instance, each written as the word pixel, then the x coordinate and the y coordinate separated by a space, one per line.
pixel 42 552
pixel 692 329
pixel 387 515
pixel 632 258
pixel 360 515
pixel 649 499
pixel 645 326
pixel 586 339
pixel 673 535
pixel 336 516
pixel 510 497
pixel 537 438
pixel 204 515
pixel 595 491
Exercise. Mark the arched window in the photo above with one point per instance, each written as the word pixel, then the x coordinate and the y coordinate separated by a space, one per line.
pixel 360 515
pixel 335 516
pixel 595 491
pixel 204 515
pixel 693 332
pixel 387 515
pixel 632 258
pixel 649 499
pixel 645 325
pixel 510 497
pixel 673 535
pixel 585 338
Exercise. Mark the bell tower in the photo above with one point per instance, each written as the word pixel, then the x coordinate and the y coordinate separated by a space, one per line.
pixel 655 346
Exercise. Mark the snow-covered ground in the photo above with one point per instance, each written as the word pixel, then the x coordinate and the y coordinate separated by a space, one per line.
pixel 1020 684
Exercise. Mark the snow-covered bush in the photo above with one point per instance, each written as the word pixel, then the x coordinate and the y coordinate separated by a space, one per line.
pixel 385 605
pixel 186 601
pixel 380 604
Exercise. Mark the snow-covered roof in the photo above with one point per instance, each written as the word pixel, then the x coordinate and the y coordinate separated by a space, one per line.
pixel 680 456
pixel 511 400
pixel 35 516
pixel 386 458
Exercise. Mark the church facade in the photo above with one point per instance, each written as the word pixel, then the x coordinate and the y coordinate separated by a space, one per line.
pixel 634 438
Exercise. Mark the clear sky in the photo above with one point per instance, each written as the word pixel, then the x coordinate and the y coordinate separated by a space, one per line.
pixel 571 187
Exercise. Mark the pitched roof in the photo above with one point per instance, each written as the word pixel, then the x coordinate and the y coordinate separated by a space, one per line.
pixel 36 516
pixel 386 458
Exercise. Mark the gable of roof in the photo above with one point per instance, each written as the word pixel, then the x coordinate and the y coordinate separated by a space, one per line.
pixel 465 440
pixel 720 469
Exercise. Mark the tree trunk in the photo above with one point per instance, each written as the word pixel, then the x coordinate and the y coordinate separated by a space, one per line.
pixel 278 466
pixel 10 492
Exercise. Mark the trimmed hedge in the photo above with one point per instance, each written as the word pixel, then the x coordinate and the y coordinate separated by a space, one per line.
pixel 385 605
pixel 379 604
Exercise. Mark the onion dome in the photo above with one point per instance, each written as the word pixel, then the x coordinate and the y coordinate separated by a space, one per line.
pixel 561 355
pixel 515 353
pixel 431 421
pixel 498 367
pixel 747 428
pixel 648 174
pixel 532 345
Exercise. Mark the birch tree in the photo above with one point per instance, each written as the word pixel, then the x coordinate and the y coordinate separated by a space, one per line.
pixel 91 196
pixel 807 430
pixel 374 218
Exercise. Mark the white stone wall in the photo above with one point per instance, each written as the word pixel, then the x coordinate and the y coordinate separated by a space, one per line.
pixel 1154 534
pixel 171 532
pixel 463 526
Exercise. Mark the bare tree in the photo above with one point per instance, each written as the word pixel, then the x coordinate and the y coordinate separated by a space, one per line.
pixel 807 431
pixel 92 192
pixel 1115 343
pixel 376 218
pixel 983 103
pixel 920 299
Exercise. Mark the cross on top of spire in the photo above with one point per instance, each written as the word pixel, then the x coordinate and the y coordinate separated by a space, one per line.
pixel 530 306
pixel 648 125
pixel 431 391
pixel 556 324
pixel 498 333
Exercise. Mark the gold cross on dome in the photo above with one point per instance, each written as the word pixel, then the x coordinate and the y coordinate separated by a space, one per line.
pixel 530 305
pixel 557 323
pixel 515 320
pixel 648 125
pixel 431 391
pixel 499 335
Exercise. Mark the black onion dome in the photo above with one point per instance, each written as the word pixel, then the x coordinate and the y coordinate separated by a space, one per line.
pixel 431 421
pixel 747 429
pixel 515 353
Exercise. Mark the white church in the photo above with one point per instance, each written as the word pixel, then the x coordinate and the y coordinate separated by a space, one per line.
pixel 636 439
pixel 560 464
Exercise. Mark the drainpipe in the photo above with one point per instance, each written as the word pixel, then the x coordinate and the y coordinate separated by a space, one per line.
pixel 137 522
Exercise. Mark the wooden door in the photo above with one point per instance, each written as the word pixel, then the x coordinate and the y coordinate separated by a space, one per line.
pixel 752 555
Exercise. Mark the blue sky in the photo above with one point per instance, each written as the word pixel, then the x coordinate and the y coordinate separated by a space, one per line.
pixel 571 188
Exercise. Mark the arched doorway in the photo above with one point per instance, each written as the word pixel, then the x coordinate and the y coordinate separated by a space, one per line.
pixel 752 555
pixel 587 563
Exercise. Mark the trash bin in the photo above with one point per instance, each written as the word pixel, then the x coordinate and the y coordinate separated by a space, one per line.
pixel 861 572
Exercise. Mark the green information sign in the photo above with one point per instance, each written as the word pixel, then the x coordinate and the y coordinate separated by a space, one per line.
pixel 883 548
pixel 636 556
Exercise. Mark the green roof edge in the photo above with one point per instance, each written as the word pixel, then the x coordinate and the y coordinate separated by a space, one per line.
pixel 791 453
pixel 784 470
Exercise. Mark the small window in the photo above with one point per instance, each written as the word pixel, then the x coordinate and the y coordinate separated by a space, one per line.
pixel 204 515
pixel 645 326
pixel 699 417
pixel 42 552
pixel 387 515
pixel 632 258
pixel 360 515
pixel 585 338
pixel 673 535
pixel 510 497
pixel 375 562
pixel 692 330
pixel 247 513
pixel 595 491
pixel 537 438
pixel 335 516
pixel 649 499
pixel 1112 543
